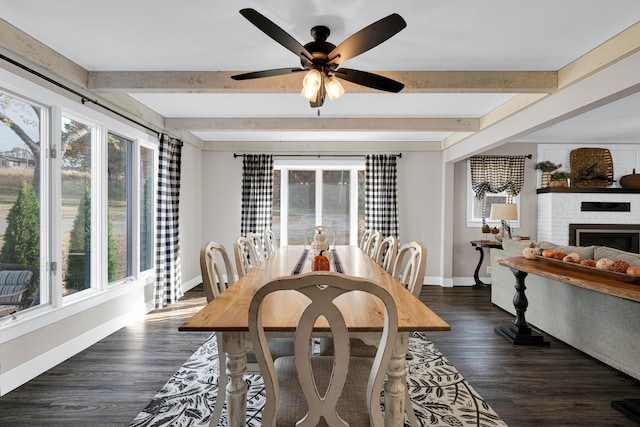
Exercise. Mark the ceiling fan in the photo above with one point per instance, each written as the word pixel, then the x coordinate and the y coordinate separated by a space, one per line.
pixel 321 59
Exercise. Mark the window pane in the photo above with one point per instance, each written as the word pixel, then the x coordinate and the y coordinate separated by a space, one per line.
pixel 335 203
pixel 119 260
pixel 20 147
pixel 76 206
pixel 275 210
pixel 490 199
pixel 302 205
pixel 146 208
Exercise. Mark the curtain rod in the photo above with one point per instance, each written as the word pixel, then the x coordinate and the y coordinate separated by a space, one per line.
pixel 236 155
pixel 83 98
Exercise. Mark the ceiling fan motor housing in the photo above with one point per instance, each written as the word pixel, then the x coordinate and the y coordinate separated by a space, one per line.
pixel 319 49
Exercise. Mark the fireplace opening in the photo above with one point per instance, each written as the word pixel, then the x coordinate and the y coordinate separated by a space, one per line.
pixel 625 237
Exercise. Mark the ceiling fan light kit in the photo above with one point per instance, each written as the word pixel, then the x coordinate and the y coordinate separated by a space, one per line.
pixel 321 59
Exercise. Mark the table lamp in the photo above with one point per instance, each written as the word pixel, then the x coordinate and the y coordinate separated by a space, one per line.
pixel 504 212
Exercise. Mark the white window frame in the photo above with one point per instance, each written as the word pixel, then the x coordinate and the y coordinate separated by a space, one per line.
pixel 318 165
pixel 476 222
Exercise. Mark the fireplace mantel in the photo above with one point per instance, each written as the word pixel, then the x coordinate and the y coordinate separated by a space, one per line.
pixel 608 190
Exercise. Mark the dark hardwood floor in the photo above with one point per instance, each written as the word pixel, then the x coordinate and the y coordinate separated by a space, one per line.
pixel 109 383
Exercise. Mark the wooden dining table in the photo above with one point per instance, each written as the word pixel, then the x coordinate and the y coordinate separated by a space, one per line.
pixel 227 315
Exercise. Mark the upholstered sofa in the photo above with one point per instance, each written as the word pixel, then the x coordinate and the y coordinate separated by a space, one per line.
pixel 604 326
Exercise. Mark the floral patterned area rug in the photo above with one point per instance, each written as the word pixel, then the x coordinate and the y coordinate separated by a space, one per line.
pixel 440 395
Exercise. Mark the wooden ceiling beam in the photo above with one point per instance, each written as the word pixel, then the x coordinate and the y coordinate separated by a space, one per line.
pixel 415 82
pixel 320 124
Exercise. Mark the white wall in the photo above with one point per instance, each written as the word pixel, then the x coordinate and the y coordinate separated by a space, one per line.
pixel 191 214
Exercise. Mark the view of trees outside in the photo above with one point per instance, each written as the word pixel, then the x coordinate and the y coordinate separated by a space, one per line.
pixel 119 150
pixel 335 203
pixel 336 196
pixel 76 205
pixel 20 194
pixel 19 183
pixel 146 208
pixel 302 204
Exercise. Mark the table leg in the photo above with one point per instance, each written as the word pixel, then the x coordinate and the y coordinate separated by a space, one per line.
pixel 234 347
pixel 476 276
pixel 395 386
pixel 519 332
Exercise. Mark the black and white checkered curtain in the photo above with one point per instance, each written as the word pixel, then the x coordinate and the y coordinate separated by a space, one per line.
pixel 381 194
pixel 257 193
pixel 495 174
pixel 168 274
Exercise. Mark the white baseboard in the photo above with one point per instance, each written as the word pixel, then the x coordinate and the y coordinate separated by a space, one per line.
pixel 190 284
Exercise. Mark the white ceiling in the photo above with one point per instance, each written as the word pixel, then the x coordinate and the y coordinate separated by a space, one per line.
pixel 453 35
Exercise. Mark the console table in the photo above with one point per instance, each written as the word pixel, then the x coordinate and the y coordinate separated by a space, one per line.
pixel 521 333
pixel 480 245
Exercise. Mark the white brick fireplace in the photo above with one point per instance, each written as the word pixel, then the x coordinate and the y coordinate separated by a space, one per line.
pixel 556 210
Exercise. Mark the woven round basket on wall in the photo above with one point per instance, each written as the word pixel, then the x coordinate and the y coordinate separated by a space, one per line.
pixel 591 168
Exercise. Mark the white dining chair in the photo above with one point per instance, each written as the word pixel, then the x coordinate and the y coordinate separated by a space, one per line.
pixel 217 276
pixel 246 255
pixel 259 245
pixel 386 253
pixel 217 270
pixel 270 242
pixel 366 235
pixel 372 243
pixel 409 267
pixel 343 390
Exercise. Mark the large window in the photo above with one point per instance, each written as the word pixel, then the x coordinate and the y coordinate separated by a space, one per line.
pixel 328 193
pixel 76 198
pixel 474 205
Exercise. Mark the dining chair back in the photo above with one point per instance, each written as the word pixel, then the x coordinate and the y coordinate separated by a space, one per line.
pixel 373 243
pixel 366 235
pixel 258 244
pixel 216 269
pixel 270 242
pixel 409 267
pixel 246 255
pixel 386 253
pixel 308 387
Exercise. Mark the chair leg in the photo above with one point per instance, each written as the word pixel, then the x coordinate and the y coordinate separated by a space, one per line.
pixel 223 379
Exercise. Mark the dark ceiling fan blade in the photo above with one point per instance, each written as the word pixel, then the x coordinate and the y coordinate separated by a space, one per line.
pixel 374 81
pixel 275 32
pixel 367 38
pixel 266 73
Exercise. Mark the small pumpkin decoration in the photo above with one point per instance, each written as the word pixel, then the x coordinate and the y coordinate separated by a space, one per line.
pixel 320 263
pixel 530 253
pixel 633 271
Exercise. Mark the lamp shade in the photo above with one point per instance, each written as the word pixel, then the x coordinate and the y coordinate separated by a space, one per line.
pixel 504 211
